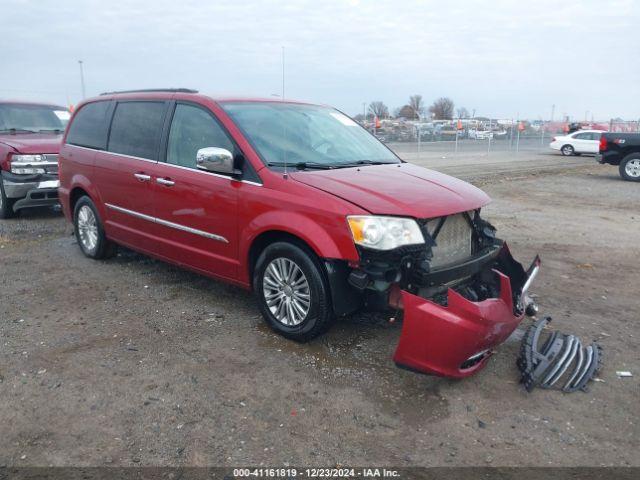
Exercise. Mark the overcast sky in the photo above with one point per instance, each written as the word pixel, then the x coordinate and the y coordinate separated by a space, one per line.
pixel 498 57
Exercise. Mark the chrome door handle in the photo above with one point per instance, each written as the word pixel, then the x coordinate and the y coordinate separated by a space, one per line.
pixel 142 177
pixel 164 181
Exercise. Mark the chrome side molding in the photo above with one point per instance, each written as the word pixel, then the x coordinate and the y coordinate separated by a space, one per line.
pixel 166 223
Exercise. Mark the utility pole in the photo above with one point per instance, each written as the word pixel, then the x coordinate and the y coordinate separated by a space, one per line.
pixel 553 109
pixel 283 73
pixel 84 95
pixel 518 137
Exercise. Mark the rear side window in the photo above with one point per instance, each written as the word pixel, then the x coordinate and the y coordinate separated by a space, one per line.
pixel 192 129
pixel 136 129
pixel 90 126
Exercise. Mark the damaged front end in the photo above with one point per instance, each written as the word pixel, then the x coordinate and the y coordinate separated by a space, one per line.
pixel 462 294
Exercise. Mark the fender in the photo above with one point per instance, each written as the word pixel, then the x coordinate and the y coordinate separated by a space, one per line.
pixel 325 242
pixel 80 181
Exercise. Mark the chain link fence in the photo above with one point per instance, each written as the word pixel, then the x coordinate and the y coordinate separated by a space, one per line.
pixel 482 135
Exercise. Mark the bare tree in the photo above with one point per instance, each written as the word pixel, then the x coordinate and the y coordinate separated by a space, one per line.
pixel 462 112
pixel 408 112
pixel 416 103
pixel 379 109
pixel 442 109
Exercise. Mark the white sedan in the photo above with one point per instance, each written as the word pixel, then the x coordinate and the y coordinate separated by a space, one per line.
pixel 582 141
pixel 480 134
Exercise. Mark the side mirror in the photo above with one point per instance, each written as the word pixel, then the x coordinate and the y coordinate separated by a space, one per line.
pixel 216 160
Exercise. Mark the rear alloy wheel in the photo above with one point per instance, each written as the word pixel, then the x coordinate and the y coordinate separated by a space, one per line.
pixel 567 150
pixel 292 291
pixel 6 204
pixel 630 168
pixel 89 231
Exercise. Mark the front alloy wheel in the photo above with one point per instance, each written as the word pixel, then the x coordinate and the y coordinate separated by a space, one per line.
pixel 286 291
pixel 293 293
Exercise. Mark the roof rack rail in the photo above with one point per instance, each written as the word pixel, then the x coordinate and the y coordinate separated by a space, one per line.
pixel 151 90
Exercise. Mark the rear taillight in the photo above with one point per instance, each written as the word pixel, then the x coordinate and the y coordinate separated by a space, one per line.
pixel 603 143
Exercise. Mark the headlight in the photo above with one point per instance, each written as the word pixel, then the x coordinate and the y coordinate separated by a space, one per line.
pixel 24 164
pixel 384 233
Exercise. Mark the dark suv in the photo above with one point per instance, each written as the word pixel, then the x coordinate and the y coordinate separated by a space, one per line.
pixel 300 204
pixel 30 136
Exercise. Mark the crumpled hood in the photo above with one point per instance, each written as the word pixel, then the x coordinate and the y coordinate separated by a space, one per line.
pixel 399 189
pixel 33 142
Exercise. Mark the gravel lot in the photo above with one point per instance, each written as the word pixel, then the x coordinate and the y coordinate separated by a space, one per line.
pixel 134 362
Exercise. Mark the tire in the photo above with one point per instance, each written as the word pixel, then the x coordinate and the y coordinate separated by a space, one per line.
pixel 6 204
pixel 630 167
pixel 90 232
pixel 567 150
pixel 287 313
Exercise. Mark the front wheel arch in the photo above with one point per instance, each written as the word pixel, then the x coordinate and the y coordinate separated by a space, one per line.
pixel 262 241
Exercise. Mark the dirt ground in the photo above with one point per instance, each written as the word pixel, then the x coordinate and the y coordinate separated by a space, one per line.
pixel 134 362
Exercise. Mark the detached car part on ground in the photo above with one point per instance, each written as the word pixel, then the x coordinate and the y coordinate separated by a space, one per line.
pixel 30 136
pixel 560 360
pixel 303 206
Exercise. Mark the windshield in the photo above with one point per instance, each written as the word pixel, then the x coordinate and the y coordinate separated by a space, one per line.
pixel 23 118
pixel 308 136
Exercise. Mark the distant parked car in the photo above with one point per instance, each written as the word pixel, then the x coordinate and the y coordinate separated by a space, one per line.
pixel 622 149
pixel 499 134
pixel 583 141
pixel 30 137
pixel 480 134
pixel 447 132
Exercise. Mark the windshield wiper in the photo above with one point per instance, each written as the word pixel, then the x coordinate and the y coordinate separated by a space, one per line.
pixel 54 130
pixel 364 162
pixel 303 165
pixel 17 130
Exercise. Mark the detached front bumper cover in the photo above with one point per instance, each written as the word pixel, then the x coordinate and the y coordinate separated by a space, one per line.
pixel 456 340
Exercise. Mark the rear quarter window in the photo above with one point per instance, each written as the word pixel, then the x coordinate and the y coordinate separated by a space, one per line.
pixel 136 129
pixel 90 126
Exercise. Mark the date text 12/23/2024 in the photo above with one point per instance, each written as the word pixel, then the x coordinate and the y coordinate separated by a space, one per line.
pixel 316 473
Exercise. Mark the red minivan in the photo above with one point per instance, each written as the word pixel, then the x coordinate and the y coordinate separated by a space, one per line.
pixel 303 206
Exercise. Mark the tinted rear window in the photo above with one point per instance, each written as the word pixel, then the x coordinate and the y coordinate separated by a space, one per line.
pixel 90 126
pixel 136 129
